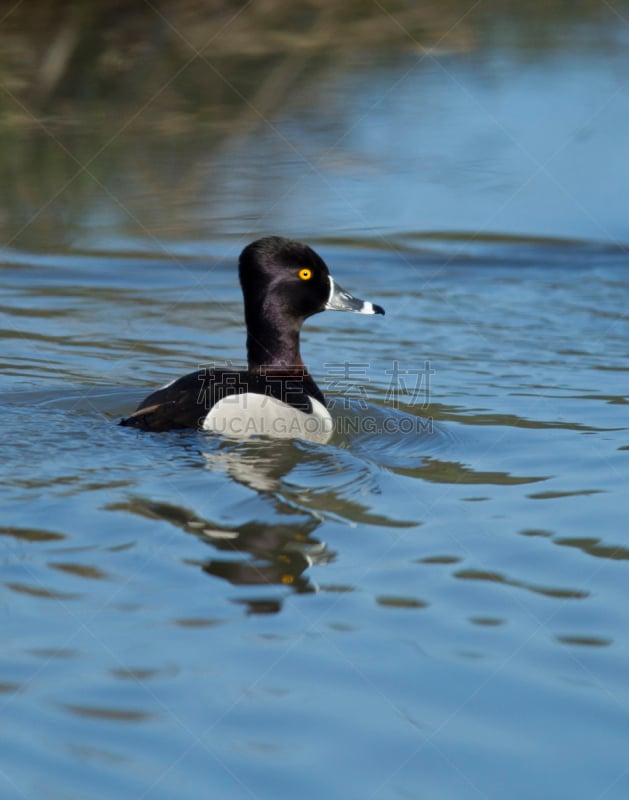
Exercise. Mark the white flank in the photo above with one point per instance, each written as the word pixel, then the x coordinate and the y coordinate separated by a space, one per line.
pixel 241 416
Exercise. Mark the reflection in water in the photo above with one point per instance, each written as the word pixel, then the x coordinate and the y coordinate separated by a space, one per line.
pixel 558 495
pixel 276 553
pixel 496 577
pixel 90 571
pixel 465 417
pixel 9 688
pixel 103 49
pixel 37 590
pixel 105 713
pixel 31 534
pixel 259 464
pixel 487 622
pixel 438 471
pixel 595 547
pixel 214 75
pixel 396 601
pixel 411 450
pixel 585 641
pixel 322 481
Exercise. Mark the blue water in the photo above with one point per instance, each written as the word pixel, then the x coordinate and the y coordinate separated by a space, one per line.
pixel 431 605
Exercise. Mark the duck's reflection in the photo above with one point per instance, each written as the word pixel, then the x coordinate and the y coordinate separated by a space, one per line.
pixel 259 464
pixel 255 553
pixel 279 554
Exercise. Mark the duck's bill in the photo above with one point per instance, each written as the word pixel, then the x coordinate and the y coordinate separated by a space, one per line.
pixel 340 300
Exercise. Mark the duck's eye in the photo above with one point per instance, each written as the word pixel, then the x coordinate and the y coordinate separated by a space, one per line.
pixel 305 274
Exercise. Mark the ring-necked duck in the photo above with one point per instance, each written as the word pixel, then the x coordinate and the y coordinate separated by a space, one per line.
pixel 283 282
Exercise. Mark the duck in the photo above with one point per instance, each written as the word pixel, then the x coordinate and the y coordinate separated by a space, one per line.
pixel 283 282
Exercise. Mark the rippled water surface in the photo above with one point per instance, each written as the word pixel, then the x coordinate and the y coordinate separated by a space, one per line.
pixel 433 604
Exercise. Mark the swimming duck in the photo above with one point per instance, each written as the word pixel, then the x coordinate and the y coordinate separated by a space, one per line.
pixel 283 283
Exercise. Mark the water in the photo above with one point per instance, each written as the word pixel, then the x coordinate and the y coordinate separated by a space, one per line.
pixel 431 605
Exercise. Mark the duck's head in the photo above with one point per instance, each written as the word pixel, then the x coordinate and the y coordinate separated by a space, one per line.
pixel 282 277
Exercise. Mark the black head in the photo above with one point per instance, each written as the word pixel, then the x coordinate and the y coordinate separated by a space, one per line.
pixel 284 276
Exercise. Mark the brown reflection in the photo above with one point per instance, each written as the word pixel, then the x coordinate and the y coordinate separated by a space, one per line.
pixel 487 622
pixel 585 641
pixel 275 553
pixel 74 49
pixel 445 559
pixel 55 653
pixel 81 570
pixel 448 413
pixel 61 51
pixel 112 714
pixel 594 547
pixel 398 601
pixel 32 534
pixel 197 622
pixel 41 591
pixel 496 577
pixel 96 94
pixel 130 674
pixel 550 495
pixel 439 471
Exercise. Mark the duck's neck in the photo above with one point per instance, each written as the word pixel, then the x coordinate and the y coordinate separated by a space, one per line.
pixel 273 352
pixel 273 346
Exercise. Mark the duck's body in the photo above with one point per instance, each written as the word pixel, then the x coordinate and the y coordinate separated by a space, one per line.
pixel 238 403
pixel 283 283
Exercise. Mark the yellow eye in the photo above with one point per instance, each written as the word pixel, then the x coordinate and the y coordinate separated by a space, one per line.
pixel 305 274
